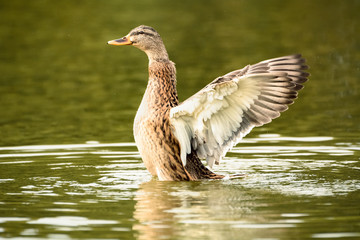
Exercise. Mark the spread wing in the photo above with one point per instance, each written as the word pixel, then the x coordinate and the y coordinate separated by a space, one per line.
pixel 217 117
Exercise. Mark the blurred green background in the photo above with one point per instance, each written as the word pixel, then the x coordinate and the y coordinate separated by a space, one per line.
pixel 61 83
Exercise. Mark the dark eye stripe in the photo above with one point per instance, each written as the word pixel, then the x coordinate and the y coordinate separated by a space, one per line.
pixel 141 32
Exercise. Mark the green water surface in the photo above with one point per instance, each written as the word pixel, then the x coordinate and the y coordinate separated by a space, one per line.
pixel 69 168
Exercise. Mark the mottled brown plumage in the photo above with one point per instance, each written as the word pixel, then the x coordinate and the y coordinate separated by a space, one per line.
pixel 157 144
pixel 172 138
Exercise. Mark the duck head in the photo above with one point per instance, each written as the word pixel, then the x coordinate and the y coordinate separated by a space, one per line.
pixel 146 39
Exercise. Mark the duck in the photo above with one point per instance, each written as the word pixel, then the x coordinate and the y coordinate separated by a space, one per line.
pixel 175 138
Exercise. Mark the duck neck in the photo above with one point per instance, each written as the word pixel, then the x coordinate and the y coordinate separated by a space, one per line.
pixel 161 89
pixel 157 54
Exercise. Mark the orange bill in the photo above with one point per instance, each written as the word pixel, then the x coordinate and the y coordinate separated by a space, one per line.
pixel 121 41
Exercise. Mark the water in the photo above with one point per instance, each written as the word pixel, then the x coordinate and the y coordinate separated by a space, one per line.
pixel 69 168
pixel 306 185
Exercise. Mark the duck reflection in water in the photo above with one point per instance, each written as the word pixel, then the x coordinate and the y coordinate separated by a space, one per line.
pixel 153 210
pixel 200 209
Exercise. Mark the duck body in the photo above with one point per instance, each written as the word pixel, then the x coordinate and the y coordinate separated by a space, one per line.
pixel 153 131
pixel 158 147
pixel 172 138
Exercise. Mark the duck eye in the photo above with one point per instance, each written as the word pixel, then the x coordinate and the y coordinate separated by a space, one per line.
pixel 141 32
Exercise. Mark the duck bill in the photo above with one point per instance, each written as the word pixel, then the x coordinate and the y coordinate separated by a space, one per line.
pixel 120 42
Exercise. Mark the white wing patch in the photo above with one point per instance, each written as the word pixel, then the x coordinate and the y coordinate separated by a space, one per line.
pixel 209 118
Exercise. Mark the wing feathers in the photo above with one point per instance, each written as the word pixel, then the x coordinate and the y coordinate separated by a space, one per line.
pixel 266 110
pixel 222 113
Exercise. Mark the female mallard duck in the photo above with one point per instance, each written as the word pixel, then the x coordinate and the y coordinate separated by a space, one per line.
pixel 173 137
